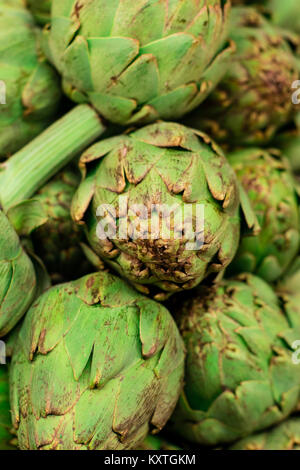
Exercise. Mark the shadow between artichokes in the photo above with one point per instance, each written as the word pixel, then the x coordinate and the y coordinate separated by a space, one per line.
pixel 240 377
pixel 133 63
pixel 30 89
pixel 96 366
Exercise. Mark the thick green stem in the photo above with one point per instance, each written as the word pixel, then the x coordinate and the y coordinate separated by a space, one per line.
pixel 32 166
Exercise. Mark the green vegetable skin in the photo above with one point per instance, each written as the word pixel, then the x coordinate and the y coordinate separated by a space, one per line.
pixel 5 418
pixel 57 242
pixel 240 377
pixel 41 10
pixel 134 62
pixel 18 283
pixel 169 164
pixel 286 436
pixel 255 97
pixel 96 366
pixel 285 14
pixel 32 90
pixel 267 179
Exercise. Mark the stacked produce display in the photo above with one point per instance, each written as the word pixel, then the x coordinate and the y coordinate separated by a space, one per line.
pixel 149 225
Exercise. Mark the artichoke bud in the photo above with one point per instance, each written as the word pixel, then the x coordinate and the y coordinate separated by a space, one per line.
pixel 255 98
pixel 139 61
pixel 266 178
pixel 29 87
pixel 160 206
pixel 41 10
pixel 96 366
pixel 6 438
pixel 241 376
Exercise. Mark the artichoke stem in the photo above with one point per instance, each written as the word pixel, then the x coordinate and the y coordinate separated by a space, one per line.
pixel 25 172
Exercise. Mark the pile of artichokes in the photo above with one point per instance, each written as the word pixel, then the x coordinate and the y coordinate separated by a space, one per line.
pixel 149 225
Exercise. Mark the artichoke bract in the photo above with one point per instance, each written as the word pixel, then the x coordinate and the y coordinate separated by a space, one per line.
pixel 240 377
pixel 5 418
pixel 255 97
pixel 57 242
pixel 17 277
pixel 96 366
pixel 41 10
pixel 285 436
pixel 172 202
pixel 29 90
pixel 267 179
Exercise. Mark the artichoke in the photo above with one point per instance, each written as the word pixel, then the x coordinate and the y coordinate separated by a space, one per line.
pixel 29 91
pixel 156 443
pixel 285 14
pixel 166 174
pixel 285 436
pixel 240 377
pixel 41 10
pixel 96 366
pixel 156 59
pixel 57 242
pixel 266 178
pixel 17 279
pixel 134 62
pixel 255 98
pixel 5 418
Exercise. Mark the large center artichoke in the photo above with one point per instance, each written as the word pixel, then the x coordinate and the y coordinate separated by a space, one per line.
pixel 267 179
pixel 96 366
pixel 169 167
pixel 30 86
pixel 240 377
pixel 255 97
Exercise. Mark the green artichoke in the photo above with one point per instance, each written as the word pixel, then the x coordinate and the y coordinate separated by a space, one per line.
pixel 285 436
pixel 17 277
pixel 29 89
pixel 266 178
pixel 166 174
pixel 5 418
pixel 139 61
pixel 57 242
pixel 96 366
pixel 240 377
pixel 285 13
pixel 41 10
pixel 255 98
